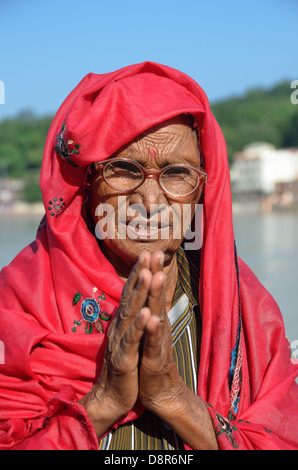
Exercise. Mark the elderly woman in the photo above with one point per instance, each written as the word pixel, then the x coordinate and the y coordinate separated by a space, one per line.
pixel 118 333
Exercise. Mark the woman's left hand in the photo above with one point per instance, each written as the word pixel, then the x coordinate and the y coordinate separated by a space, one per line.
pixel 159 380
pixel 161 388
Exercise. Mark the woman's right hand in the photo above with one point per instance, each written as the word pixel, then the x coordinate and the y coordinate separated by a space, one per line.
pixel 116 390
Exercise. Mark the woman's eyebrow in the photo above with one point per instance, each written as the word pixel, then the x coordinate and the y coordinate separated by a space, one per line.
pixel 160 161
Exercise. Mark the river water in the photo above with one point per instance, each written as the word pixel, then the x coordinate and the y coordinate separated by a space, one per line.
pixel 268 243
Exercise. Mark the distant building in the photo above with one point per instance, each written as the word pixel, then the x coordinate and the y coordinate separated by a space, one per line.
pixel 261 171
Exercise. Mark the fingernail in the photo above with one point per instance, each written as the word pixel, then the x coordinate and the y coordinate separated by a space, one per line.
pixel 141 258
pixel 162 258
pixel 141 312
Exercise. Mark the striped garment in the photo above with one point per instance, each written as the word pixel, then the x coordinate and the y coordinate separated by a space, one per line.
pixel 149 432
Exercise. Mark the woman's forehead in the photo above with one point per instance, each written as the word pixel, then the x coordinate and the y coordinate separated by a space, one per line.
pixel 174 140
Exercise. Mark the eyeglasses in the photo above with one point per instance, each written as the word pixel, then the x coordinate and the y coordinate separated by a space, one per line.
pixel 177 180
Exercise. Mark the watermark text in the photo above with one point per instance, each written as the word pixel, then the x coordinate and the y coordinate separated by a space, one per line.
pixel 294 95
pixel 161 222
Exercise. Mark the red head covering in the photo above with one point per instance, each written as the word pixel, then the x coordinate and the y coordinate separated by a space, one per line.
pixel 46 289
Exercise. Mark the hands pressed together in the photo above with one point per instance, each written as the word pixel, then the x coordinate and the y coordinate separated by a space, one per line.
pixel 139 362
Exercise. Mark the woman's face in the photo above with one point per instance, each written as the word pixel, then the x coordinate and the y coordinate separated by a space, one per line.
pixel 159 223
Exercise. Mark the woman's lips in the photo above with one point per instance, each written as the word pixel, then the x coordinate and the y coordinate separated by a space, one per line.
pixel 147 231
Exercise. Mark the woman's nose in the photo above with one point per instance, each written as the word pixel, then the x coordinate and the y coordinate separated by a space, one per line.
pixel 149 194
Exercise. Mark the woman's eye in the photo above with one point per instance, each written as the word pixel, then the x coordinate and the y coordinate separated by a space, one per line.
pixel 126 166
pixel 177 171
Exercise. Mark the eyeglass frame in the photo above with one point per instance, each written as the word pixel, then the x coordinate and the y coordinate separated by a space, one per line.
pixel 154 174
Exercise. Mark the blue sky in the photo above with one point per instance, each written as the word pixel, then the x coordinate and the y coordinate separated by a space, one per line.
pixel 47 46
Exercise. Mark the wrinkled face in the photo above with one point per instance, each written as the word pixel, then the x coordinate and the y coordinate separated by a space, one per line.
pixel 162 219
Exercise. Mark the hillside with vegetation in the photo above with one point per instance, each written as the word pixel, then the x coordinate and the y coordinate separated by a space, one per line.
pixel 22 142
pixel 260 115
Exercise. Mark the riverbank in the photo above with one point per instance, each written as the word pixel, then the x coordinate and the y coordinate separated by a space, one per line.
pixel 22 208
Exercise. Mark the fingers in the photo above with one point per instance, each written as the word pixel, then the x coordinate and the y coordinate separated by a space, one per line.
pixel 143 262
pixel 156 297
pixel 157 354
pixel 133 336
pixel 153 343
pixel 135 292
pixel 128 312
pixel 122 355
pixel 157 333
pixel 156 261
pixel 145 286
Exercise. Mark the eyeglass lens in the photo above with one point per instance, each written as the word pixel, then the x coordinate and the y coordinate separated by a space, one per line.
pixel 126 176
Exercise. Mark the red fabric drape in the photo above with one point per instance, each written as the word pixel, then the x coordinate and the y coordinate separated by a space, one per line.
pixel 47 366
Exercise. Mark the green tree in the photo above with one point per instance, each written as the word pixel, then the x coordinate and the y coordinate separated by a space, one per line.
pixel 290 138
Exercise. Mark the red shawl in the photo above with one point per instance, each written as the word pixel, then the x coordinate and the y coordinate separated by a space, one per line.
pixel 246 375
